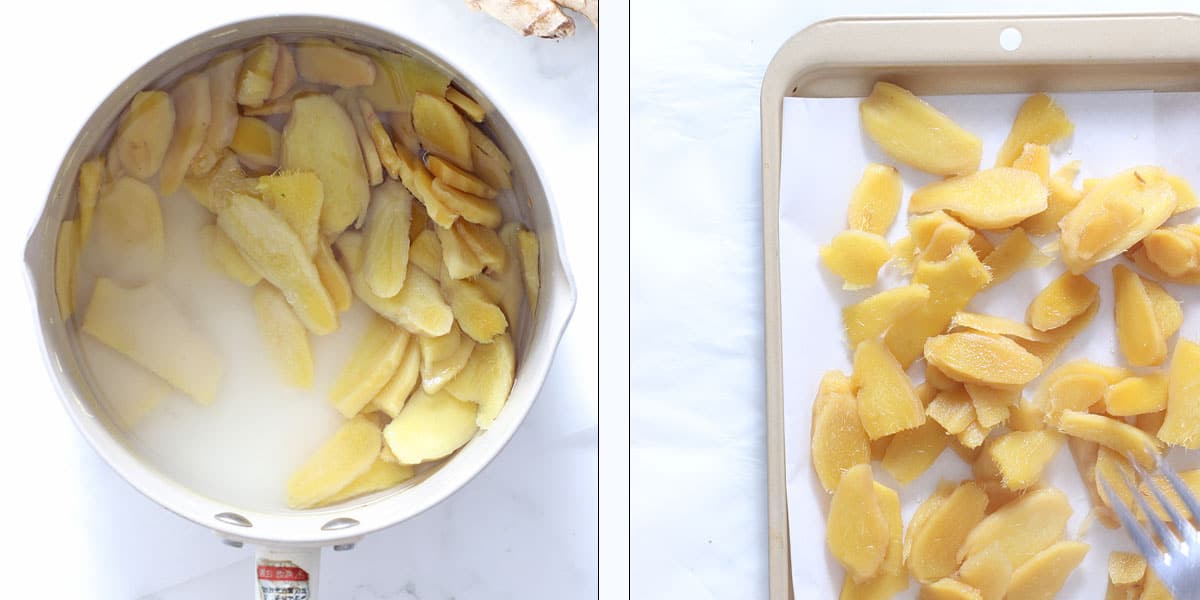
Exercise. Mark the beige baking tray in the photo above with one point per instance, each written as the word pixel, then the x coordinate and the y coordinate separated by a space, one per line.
pixel 943 55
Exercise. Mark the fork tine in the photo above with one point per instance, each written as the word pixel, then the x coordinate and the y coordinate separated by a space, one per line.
pixel 1185 494
pixel 1140 537
pixel 1181 525
pixel 1169 541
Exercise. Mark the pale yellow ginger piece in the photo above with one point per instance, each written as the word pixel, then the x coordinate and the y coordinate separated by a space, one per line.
pixel 465 104
pixel 994 198
pixel 321 61
pixel 487 378
pixel 937 539
pixel 443 357
pixel 420 220
pixel 419 308
pixel 66 267
pixel 1185 196
pixel 1153 588
pixel 1110 433
pixel 1062 300
pixel 1167 311
pixel 372 364
pixel 1191 480
pixel 491 165
pixel 1039 121
pixel 911 452
pixel 127 238
pixel 1115 215
pixel 91 175
pixel 1063 197
pixel 1061 336
pixel 398 78
pixel 1022 456
pixel 390 400
pixel 333 278
pixel 419 181
pixel 460 179
pixel 973 436
pixel 193 115
pixel 147 325
pixel 1111 467
pixel 442 130
pixel 298 197
pixel 212 190
pixel 476 313
pixel 981 323
pixel 939 380
pixel 128 391
pixel 1126 567
pixel 429 427
pixel 507 284
pixel 472 208
pixel 257 76
pixel 1078 392
pixel 285 74
pixel 1021 528
pixel 982 358
pixel 949 589
pixel 285 335
pixel 838 440
pixel 223 111
pixel 887 400
pixel 283 104
pixel 1181 427
pixel 385 236
pixel 460 261
pixel 992 405
pixel 944 239
pixel 320 137
pixel 1136 395
pixel 1043 575
pixel 856 257
pixel 489 249
pixel 1013 254
pixel 915 133
pixel 952 283
pixel 224 255
pixel 1138 333
pixel 987 571
pixel 425 253
pixel 924 511
pixel 406 135
pixel 989 478
pixel 343 458
pixel 952 409
pixel 904 255
pixel 1085 455
pixel 1147 266
pixel 875 200
pixel 892 577
pixel 144 133
pixel 370 153
pixel 873 316
pixel 256 144
pixel 1035 158
pixel 879 447
pixel 381 476
pixel 1173 251
pixel 1026 416
pixel 857 532
pixel 274 250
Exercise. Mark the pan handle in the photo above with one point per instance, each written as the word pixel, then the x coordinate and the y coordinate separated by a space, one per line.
pixel 286 573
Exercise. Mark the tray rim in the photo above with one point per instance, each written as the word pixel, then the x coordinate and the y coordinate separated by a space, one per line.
pixel 809 52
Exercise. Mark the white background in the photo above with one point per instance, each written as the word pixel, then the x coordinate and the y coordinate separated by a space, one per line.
pixel 698 448
pixel 524 528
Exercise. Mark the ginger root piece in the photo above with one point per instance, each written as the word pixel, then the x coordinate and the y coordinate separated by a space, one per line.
pixel 911 452
pixel 1173 250
pixel 472 208
pixel 876 199
pixel 285 335
pixel 936 541
pixel 442 130
pixel 873 316
pixel 487 378
pixel 465 104
pixel 1136 395
pixel 128 391
pixel 381 476
pixel 223 111
pixel 460 179
pixel 856 257
pixel 1138 333
pixel 66 267
pixel 952 409
pixel 274 250
pixel 952 283
pixel 193 116
pixel 87 190
pixel 298 197
pixel 406 135
pixel 369 152
pixel 1021 528
pixel 491 165
pixel 838 440
pixel 1115 215
pixel 892 577
pixel 460 261
pixel 992 405
pixel 425 253
pixel 1064 299
pixel 285 74
pixel 973 436
pixel 419 308
pixel 1110 433
pixel 1043 575
pixel 321 61
pixel 385 236
pixel 224 255
pixel 257 76
pixel 982 358
pixel 429 427
pixel 487 246
pixel 1061 336
pixel 987 571
pixel 369 368
pixel 1034 158
pixel 443 357
pixel 1063 197
pixel 1181 427
pixel 991 324
pixel 333 278
pixel 914 133
pixel 1039 121
pixel 345 457
pixel 1126 567
pixel 887 400
pixel 320 137
pixel 212 190
pixel 256 144
pixel 477 315
pixel 380 138
pixel 857 532
pixel 994 198
pixel 146 325
pixel 506 286
pixel 127 238
pixel 540 18
pixel 949 589
pixel 1167 311
pixel 144 132
pixel 390 400
pixel 1013 254
pixel 1022 456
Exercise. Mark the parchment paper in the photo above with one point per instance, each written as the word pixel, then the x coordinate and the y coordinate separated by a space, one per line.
pixel 824 153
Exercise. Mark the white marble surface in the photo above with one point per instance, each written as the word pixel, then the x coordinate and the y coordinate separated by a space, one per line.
pixel 698 448
pixel 524 528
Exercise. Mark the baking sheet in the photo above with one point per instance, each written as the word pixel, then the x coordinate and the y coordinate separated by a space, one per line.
pixel 823 154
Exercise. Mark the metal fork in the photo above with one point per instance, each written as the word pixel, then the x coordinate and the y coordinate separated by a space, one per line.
pixel 1177 563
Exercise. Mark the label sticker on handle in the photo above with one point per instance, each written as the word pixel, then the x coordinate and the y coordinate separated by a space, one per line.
pixel 282 580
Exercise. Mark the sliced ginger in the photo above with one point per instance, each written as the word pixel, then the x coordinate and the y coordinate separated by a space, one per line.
pixel 144 133
pixel 487 378
pixel 91 175
pixel 257 144
pixel 1064 299
pixel 892 577
pixel 1126 567
pixel 1063 197
pixel 223 111
pixel 285 335
pixel 911 452
pixel 346 456
pixel 66 266
pixel 429 427
pixel 464 181
pixel 1043 575
pixel 333 278
pixel 990 324
pixel 319 136
pixel 1167 311
pixel 390 400
pixel 420 306
pixel 257 76
pixel 441 129
pixel 982 358
pixel 1110 433
pixel 1138 334
pixel 1116 214
pixel 381 476
pixel 952 409
pixel 1021 528
pixel 1034 158
pixel 442 358
pixel 1136 395
pixel 1039 121
pixel 324 62
pixel 1173 251
pixel 990 199
pixel 856 257
pixel 913 132
pixel 857 531
pixel 479 316
pixel 875 200
pixel 952 283
pixel 1181 427
pixel 936 540
pixel 369 368
pixel 987 571
pixel 887 400
pixel 298 197
pixel 1022 456
pixel 1013 254
pixel 992 405
pixel 491 164
pixel 949 589
pixel 838 439
pixel 192 100
pixel 370 153
pixel 385 263
pixel 126 242
pixel 224 255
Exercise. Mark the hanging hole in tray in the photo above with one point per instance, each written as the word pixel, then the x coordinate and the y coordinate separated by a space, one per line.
pixel 1010 38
